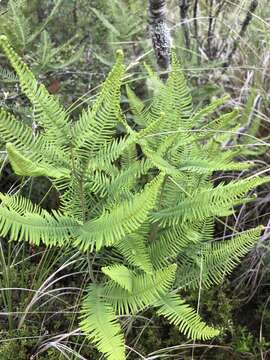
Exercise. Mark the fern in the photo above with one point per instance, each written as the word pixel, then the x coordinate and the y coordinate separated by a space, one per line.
pixel 100 324
pixel 146 194
pixel 212 261
pixel 183 316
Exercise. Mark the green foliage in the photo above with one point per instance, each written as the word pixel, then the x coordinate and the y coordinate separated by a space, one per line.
pixel 148 194
pixel 19 26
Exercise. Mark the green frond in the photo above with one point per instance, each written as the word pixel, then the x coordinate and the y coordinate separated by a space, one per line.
pixel 153 127
pixel 136 106
pixel 120 274
pixel 157 161
pixel 8 76
pixel 145 290
pixel 101 326
pixel 21 220
pixel 15 24
pixel 96 126
pixel 170 242
pixel 204 166
pixel 128 177
pixel 179 95
pixel 180 314
pixel 212 202
pixel 25 167
pixel 122 220
pixel 108 154
pixel 48 111
pixel 21 135
pixel 129 156
pixel 207 264
pixel 133 248
pixel 202 113
pixel 221 124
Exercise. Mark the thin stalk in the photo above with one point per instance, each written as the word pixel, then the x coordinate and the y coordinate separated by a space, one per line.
pixel 210 30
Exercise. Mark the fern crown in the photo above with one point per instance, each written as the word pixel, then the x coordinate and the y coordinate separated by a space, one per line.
pixel 145 193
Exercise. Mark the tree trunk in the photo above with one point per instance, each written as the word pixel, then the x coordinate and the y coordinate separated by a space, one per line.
pixel 184 6
pixel 160 34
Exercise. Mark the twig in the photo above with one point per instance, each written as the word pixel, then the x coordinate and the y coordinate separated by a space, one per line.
pixel 210 30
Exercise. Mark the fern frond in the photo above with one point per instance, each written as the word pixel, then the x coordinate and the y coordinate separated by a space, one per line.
pixel 108 154
pixel 120 274
pixel 48 111
pixel 158 161
pixel 101 326
pixel 17 21
pixel 211 128
pixel 204 166
pixel 212 202
pixel 133 248
pixel 136 106
pixel 35 226
pixel 128 177
pixel 170 242
pixel 145 290
pixel 96 126
pixel 173 308
pixel 202 113
pixel 26 167
pixel 124 219
pixel 208 263
pixel 21 135
pixel 179 99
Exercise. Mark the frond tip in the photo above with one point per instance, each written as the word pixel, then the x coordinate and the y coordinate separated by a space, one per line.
pixel 184 317
pixel 101 326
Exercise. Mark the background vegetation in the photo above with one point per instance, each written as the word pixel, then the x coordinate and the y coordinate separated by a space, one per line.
pixel 224 47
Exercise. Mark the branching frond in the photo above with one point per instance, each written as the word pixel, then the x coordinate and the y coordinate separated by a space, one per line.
pixel 149 195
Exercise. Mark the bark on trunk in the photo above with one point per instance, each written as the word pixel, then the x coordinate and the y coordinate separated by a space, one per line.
pixel 184 7
pixel 160 33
